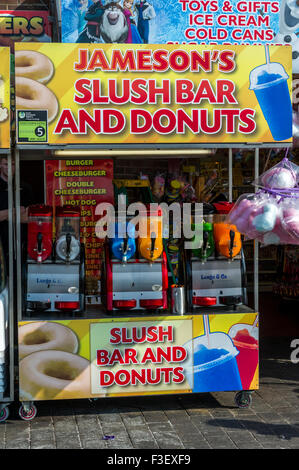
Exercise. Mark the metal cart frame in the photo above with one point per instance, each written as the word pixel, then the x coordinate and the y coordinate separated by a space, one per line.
pixel 8 397
pixel 28 409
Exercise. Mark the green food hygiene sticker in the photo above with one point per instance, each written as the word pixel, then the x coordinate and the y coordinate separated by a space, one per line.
pixel 32 126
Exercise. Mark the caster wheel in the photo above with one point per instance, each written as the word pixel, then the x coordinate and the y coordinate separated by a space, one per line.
pixel 4 413
pixel 28 415
pixel 243 399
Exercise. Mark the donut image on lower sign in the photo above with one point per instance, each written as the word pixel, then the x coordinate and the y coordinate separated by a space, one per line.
pixel 49 367
pixel 50 374
pixel 42 335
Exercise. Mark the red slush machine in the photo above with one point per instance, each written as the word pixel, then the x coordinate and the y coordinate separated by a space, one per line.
pixel 135 274
pixel 54 269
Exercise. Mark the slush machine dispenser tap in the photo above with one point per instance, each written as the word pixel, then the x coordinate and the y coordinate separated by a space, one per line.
pixel 124 248
pixel 39 249
pixel 231 244
pixel 205 245
pixel 153 242
pixel 68 239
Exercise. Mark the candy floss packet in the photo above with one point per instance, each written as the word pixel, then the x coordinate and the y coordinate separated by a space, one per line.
pixel 284 175
pixel 271 215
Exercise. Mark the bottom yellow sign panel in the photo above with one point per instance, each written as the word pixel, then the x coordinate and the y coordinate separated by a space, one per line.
pixel 137 356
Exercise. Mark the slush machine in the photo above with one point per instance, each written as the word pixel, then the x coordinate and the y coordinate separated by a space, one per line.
pixel 136 275
pixel 54 268
pixel 216 266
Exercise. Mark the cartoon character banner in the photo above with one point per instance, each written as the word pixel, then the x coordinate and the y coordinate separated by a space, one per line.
pixel 111 94
pixel 182 22
pixel 4 98
pixel 137 356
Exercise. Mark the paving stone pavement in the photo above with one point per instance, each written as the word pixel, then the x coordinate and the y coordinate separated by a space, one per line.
pixel 201 421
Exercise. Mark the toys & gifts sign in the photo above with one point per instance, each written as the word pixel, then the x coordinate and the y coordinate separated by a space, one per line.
pixel 153 94
pixel 183 22
pixel 179 21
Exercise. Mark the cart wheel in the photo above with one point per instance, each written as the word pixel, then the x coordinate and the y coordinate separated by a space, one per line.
pixel 243 399
pixel 27 414
pixel 4 413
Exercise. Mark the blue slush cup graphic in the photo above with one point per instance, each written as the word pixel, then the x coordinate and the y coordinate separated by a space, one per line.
pixel 269 83
pixel 211 364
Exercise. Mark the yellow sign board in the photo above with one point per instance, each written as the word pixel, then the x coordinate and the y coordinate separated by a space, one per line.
pixel 152 94
pixel 137 356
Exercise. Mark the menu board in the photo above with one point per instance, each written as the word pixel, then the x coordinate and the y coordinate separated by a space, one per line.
pixel 83 184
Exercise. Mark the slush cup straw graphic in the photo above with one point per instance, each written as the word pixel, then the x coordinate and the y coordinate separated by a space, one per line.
pixel 269 82
pixel 211 364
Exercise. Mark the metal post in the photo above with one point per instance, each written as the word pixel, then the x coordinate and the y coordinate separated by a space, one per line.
pixel 18 236
pixel 230 175
pixel 256 243
pixel 11 276
pixel 57 8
